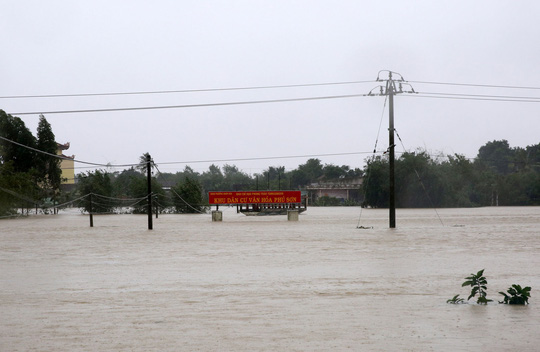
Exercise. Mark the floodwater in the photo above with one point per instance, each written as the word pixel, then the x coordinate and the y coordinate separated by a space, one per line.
pixel 268 284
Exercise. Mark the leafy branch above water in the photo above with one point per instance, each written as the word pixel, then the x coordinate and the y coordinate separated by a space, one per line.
pixel 479 287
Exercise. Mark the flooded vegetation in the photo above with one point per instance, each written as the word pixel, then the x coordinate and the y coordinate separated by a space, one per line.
pixel 264 283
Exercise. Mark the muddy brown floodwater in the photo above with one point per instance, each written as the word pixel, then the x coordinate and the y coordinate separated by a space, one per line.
pixel 265 283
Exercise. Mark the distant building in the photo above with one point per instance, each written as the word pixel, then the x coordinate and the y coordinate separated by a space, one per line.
pixel 343 189
pixel 68 167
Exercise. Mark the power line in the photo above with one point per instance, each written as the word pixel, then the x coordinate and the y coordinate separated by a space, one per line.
pixel 181 91
pixel 190 105
pixel 261 158
pixel 191 161
pixel 482 96
pixel 476 85
pixel 63 157
pixel 472 97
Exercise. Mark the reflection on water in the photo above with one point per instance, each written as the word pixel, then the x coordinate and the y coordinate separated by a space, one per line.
pixel 263 283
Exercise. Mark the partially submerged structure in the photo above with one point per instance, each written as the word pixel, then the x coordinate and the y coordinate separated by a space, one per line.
pixel 257 203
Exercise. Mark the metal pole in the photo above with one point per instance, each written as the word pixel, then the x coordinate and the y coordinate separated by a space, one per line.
pixel 149 183
pixel 392 190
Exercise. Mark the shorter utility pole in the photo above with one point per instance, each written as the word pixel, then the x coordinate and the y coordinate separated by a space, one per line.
pixel 149 183
pixel 91 212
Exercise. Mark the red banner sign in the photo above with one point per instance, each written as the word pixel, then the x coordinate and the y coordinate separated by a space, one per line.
pixel 255 197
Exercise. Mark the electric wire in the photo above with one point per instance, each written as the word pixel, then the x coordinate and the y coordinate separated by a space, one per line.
pixel 185 106
pixel 372 158
pixel 183 90
pixel 261 158
pixel 182 199
pixel 190 161
pixel 189 205
pixel 476 85
pixel 20 196
pixel 481 96
pixel 118 199
pixel 420 180
pixel 63 157
pixel 470 97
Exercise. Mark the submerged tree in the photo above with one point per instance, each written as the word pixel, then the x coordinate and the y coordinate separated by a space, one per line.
pixel 96 188
pixel 187 196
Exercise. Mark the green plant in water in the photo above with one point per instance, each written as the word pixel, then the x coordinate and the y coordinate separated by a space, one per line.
pixel 516 295
pixel 479 287
pixel 455 300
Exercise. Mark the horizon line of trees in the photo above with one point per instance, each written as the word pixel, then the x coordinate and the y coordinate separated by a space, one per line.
pixel 499 175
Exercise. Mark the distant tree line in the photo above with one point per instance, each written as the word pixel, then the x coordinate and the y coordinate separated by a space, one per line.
pixel 499 175
pixel 187 191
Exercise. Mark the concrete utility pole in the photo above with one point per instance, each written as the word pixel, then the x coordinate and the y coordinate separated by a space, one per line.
pixel 390 90
pixel 149 183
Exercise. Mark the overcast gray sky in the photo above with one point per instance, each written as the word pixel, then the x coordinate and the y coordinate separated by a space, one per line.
pixel 72 47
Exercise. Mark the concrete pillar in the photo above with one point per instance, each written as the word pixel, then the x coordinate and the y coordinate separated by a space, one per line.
pixel 217 215
pixel 292 215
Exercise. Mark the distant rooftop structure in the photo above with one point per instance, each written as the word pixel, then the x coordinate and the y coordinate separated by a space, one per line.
pixel 62 146
pixel 67 166
pixel 344 189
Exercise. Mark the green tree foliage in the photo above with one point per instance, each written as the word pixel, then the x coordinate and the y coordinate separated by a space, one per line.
pixel 99 184
pixel 143 163
pixel 138 189
pixel 213 179
pixel 48 166
pixel 13 128
pixel 516 295
pixel 478 285
pixel 122 182
pixel 307 173
pixel 497 155
pixel 499 175
pixel 28 175
pixel 17 190
pixel 187 196
pixel 417 181
pixel 274 178
pixel 331 171
pixel 376 183
pixel 234 179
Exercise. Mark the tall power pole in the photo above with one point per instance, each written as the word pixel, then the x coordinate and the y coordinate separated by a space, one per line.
pixel 390 90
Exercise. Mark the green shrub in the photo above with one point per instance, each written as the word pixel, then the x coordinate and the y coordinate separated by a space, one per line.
pixel 516 295
pixel 479 287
